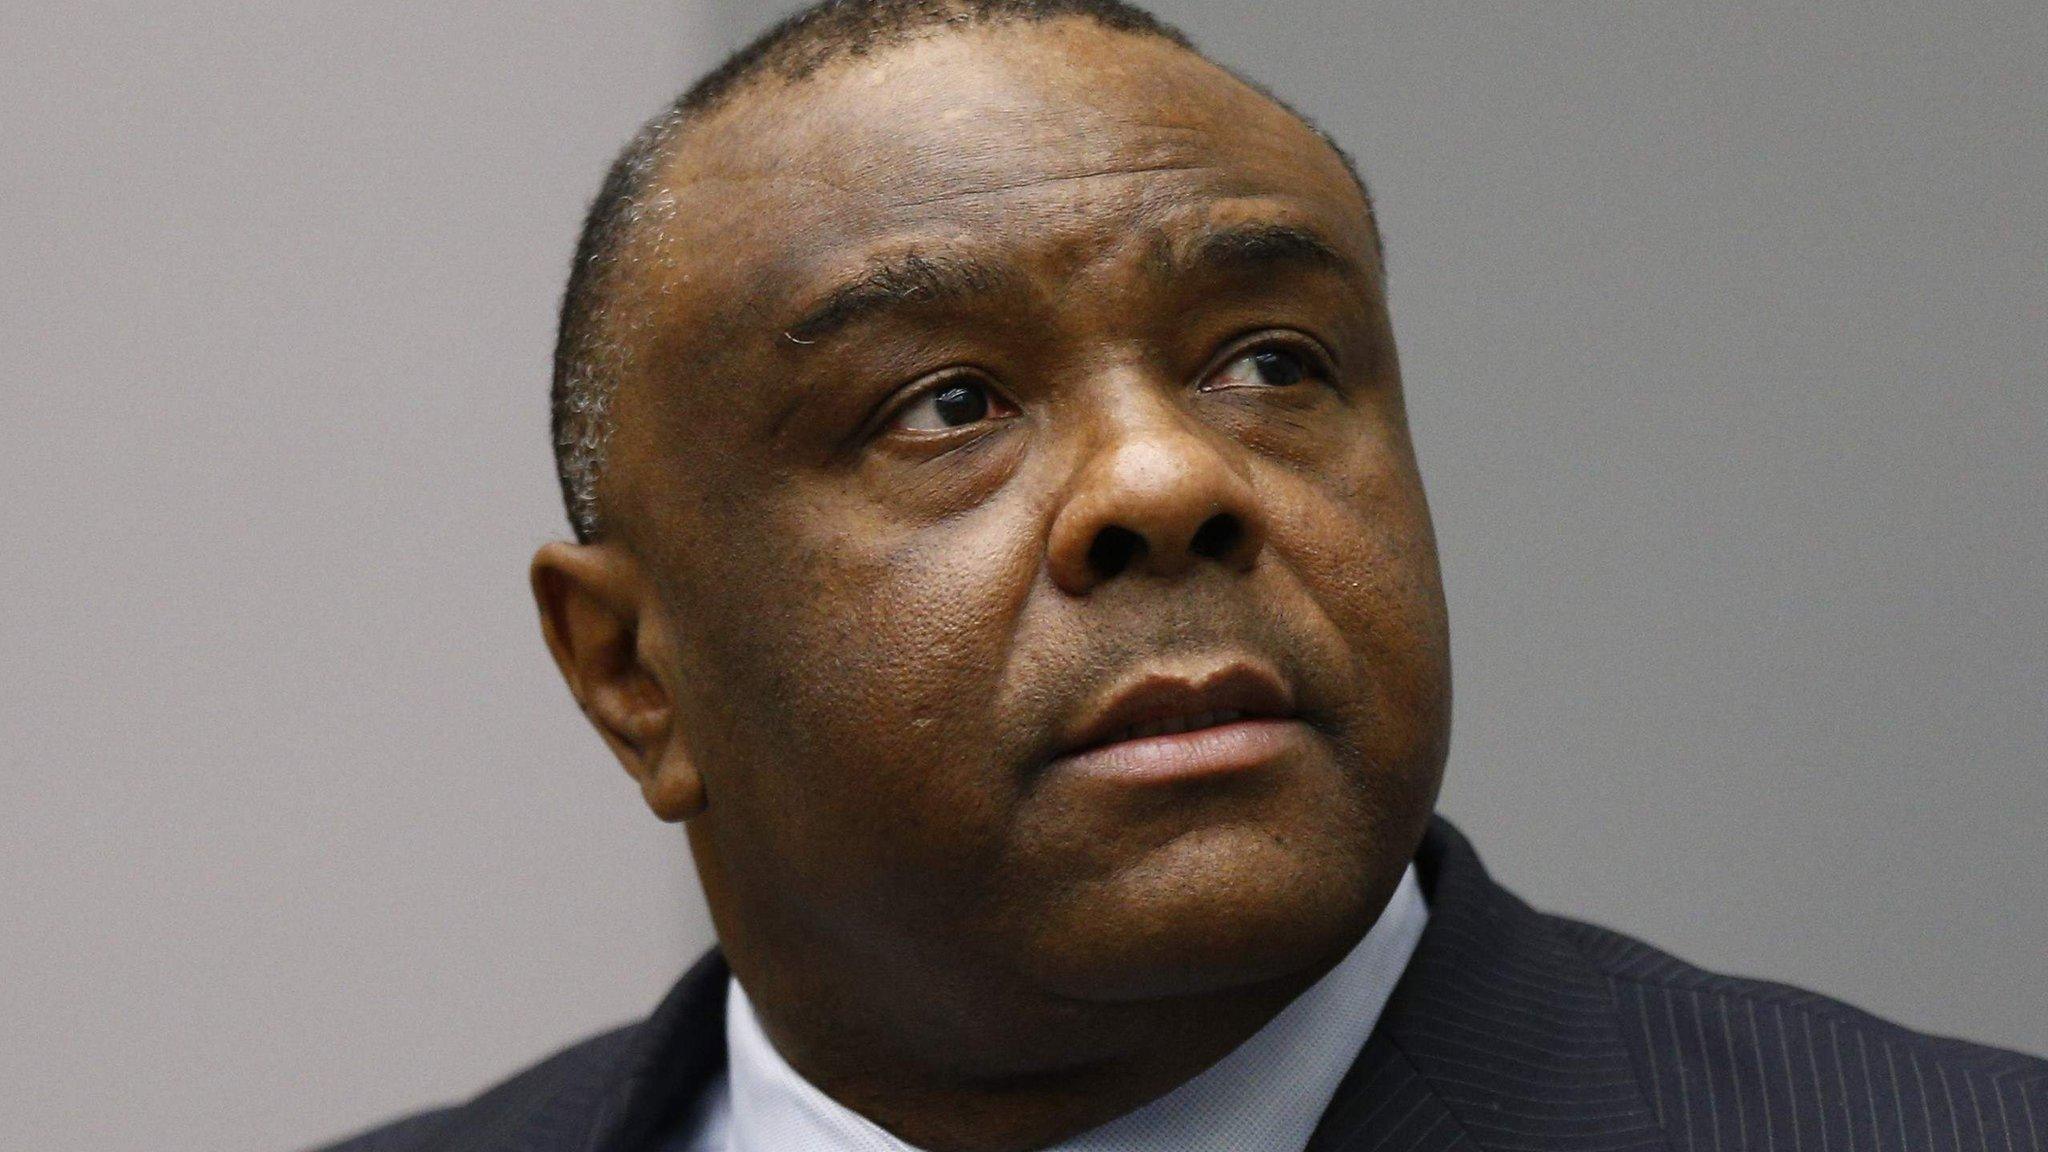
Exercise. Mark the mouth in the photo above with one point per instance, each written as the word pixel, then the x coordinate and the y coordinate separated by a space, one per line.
pixel 1163 727
pixel 1174 726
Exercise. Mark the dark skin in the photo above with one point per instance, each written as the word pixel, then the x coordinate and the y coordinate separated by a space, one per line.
pixel 849 595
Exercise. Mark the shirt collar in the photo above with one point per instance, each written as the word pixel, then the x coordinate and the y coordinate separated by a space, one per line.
pixel 1268 1092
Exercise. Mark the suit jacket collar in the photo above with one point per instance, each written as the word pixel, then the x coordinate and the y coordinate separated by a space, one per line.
pixel 1500 1037
pixel 676 1053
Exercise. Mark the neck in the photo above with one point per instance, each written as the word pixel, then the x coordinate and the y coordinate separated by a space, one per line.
pixel 941 1040
pixel 983 1087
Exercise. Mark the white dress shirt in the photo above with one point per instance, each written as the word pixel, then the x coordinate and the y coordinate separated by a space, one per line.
pixel 1266 1094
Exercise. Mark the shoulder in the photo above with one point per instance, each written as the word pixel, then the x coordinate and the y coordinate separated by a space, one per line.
pixel 1728 1057
pixel 615 1089
pixel 565 1082
pixel 1538 1031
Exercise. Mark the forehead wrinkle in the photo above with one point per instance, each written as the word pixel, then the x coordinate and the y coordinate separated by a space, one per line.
pixel 1001 187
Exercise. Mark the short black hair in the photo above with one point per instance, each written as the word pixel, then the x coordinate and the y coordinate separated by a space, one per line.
pixel 589 356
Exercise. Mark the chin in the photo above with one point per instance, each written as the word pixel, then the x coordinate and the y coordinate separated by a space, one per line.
pixel 1216 909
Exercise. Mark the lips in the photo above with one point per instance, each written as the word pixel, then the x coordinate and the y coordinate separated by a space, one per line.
pixel 1158 705
pixel 1176 725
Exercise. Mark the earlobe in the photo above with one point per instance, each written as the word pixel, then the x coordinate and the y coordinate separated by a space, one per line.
pixel 604 627
pixel 675 791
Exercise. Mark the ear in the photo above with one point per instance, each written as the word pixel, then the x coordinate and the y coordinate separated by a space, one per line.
pixel 609 633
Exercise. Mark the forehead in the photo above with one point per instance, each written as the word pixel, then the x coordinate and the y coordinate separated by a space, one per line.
pixel 1051 140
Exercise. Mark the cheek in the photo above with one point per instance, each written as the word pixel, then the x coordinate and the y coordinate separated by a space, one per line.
pixel 1358 536
pixel 860 673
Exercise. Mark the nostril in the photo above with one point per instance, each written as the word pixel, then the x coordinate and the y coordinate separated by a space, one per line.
pixel 1114 550
pixel 1217 537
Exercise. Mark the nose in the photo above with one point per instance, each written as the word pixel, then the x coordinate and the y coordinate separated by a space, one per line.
pixel 1157 496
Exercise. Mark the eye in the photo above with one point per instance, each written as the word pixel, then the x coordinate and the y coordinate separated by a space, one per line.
pixel 952 404
pixel 1272 366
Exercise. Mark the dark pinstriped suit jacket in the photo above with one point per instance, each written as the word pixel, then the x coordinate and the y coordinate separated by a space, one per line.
pixel 1511 1031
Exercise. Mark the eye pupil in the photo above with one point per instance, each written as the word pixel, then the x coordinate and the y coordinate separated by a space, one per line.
pixel 961 404
pixel 1278 368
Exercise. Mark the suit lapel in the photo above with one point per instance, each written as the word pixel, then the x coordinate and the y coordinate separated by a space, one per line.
pixel 1499 1036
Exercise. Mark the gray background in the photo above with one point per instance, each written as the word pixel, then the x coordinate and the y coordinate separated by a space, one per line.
pixel 1723 331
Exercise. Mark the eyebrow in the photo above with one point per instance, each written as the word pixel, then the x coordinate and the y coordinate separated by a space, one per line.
pixel 915 278
pixel 894 282
pixel 1252 248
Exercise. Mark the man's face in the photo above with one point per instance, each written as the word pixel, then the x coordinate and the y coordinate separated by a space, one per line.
pixel 981 378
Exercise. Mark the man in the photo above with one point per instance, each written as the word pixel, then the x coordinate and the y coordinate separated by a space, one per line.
pixel 999 540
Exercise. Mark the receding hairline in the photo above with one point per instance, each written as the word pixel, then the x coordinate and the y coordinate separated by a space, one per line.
pixel 687 121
